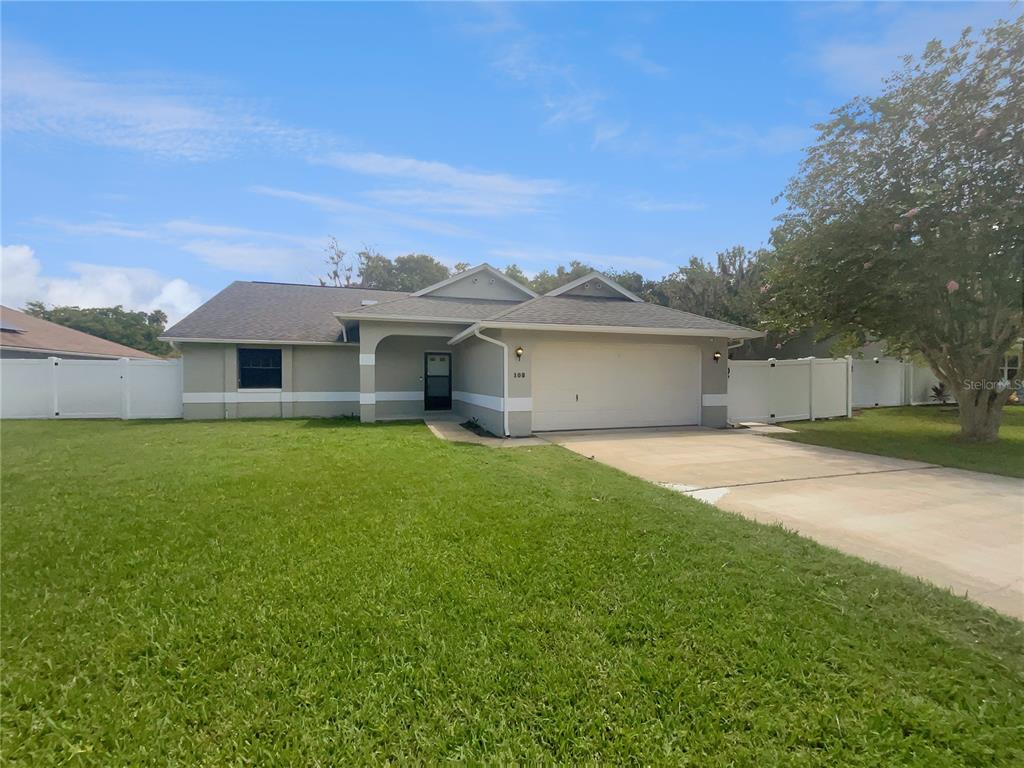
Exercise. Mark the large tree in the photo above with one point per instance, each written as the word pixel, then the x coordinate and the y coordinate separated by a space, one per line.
pixel 139 330
pixel 906 220
pixel 404 273
pixel 725 289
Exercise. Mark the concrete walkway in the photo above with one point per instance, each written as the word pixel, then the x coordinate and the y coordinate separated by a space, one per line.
pixel 961 530
pixel 447 428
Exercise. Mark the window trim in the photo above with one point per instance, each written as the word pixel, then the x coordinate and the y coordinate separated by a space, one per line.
pixel 238 365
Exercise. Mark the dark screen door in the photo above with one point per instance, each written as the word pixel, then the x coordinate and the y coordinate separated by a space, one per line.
pixel 437 381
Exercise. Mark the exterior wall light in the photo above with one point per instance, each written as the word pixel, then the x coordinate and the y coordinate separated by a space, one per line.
pixel 519 352
pixel 716 356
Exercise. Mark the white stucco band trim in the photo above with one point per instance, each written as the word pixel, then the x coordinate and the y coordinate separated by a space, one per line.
pixel 370 359
pixel 399 396
pixel 195 398
pixel 483 401
pixel 494 403
pixel 715 400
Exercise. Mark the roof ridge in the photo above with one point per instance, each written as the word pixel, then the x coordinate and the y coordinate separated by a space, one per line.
pixel 313 285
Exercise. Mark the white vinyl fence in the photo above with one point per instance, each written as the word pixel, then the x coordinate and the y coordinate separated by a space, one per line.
pixel 885 381
pixel 789 390
pixel 54 388
pixel 811 388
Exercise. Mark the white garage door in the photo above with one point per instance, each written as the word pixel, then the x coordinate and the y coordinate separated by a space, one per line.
pixel 595 385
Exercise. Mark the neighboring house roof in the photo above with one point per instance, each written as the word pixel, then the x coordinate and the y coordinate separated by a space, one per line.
pixel 257 312
pixel 27 333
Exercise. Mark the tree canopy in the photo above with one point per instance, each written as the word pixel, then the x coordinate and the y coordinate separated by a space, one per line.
pixel 905 222
pixel 404 273
pixel 138 330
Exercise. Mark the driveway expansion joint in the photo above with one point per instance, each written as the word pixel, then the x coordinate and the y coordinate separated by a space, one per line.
pixel 688 489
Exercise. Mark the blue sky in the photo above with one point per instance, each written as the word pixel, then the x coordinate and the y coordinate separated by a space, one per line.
pixel 152 153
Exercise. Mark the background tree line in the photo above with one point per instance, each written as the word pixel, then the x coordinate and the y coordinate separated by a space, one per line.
pixel 135 329
pixel 730 287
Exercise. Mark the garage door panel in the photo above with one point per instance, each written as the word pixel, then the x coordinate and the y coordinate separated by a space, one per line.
pixel 593 385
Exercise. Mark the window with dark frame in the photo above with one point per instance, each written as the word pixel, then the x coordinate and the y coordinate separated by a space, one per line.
pixel 259 369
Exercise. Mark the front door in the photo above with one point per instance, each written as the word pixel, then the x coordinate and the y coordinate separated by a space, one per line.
pixel 437 381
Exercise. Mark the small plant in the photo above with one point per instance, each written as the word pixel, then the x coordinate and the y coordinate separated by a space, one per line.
pixel 940 394
pixel 473 425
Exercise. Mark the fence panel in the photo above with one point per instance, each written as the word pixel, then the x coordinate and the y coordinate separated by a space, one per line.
pixel 90 389
pixel 878 384
pixel 920 381
pixel 748 390
pixel 26 389
pixel 788 390
pixel 829 388
pixel 154 389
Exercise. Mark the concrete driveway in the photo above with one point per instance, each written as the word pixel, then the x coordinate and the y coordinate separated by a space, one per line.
pixel 961 530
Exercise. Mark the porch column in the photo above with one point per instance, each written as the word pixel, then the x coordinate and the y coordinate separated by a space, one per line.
pixel 367 379
pixel 714 383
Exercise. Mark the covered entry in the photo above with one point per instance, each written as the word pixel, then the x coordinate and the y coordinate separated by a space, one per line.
pixel 601 384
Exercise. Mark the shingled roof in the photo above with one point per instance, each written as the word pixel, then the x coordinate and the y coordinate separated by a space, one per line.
pixel 434 308
pixel 28 333
pixel 254 311
pixel 585 310
pixel 283 312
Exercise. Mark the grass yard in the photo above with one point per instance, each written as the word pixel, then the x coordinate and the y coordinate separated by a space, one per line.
pixel 922 433
pixel 324 593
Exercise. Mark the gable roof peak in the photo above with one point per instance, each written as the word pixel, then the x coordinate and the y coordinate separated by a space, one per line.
pixel 485 267
pixel 595 275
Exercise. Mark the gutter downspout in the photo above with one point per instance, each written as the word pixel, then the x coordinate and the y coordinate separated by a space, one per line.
pixel 504 376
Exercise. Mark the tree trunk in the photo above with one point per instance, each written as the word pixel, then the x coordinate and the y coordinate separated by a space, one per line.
pixel 981 412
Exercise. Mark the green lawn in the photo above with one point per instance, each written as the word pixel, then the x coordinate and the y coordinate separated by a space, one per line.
pixel 922 433
pixel 323 593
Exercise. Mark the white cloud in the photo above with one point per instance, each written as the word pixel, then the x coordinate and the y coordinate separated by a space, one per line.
pixel 367 215
pixel 530 59
pixel 858 61
pixel 99 228
pixel 633 53
pixel 448 189
pixel 142 114
pixel 607 132
pixel 252 258
pixel 93 285
pixel 19 276
pixel 737 140
pixel 203 229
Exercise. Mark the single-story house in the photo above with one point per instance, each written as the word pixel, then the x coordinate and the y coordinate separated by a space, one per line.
pixel 589 354
pixel 26 336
